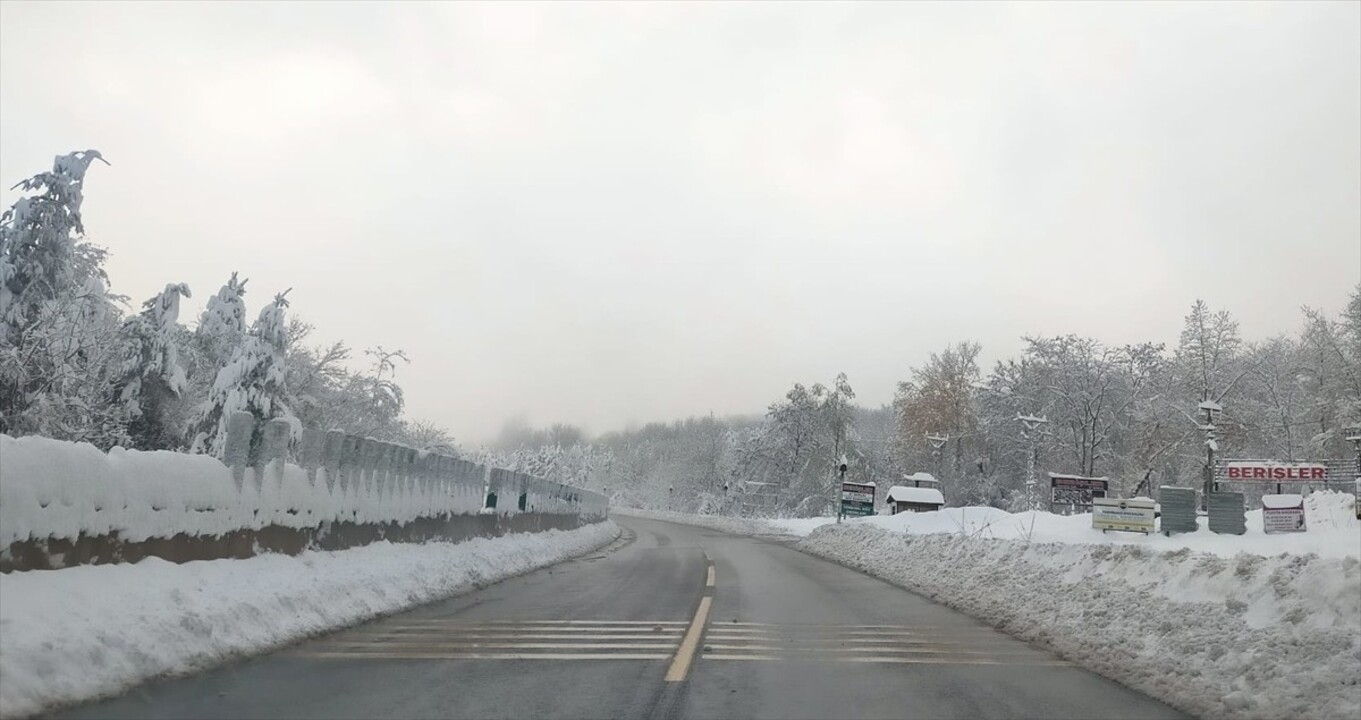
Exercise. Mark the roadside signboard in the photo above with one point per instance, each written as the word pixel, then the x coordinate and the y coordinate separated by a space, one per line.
pixel 1075 492
pixel 1227 513
pixel 1178 509
pixel 1266 471
pixel 1127 515
pixel 857 499
pixel 1315 473
pixel 1283 513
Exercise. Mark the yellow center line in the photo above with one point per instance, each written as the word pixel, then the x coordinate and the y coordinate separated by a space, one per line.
pixel 680 667
pixel 685 655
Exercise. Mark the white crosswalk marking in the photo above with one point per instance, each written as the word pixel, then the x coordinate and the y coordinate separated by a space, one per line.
pixel 442 639
pixel 898 644
pixel 445 639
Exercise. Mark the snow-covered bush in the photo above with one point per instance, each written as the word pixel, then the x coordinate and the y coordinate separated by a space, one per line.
pixel 253 381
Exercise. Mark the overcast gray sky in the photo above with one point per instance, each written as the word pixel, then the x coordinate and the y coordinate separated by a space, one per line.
pixel 616 213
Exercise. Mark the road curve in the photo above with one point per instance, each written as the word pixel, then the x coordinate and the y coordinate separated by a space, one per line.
pixel 671 621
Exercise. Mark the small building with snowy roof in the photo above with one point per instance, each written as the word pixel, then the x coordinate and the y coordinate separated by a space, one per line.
pixel 914 499
pixel 921 479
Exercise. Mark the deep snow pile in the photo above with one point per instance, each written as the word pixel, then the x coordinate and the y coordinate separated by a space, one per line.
pixel 1333 529
pixel 1221 626
pixel 78 633
pixel 1247 637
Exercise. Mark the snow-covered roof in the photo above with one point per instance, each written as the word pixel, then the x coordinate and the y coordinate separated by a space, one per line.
pixel 931 496
pixel 921 477
pixel 1287 500
pixel 1076 477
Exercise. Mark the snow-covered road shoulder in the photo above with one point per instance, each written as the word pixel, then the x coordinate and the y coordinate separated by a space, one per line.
pixel 83 632
pixel 1220 626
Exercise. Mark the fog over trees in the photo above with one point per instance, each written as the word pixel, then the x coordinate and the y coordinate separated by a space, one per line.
pixel 76 363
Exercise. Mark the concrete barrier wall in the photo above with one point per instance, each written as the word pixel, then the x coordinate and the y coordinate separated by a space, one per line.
pixel 64 504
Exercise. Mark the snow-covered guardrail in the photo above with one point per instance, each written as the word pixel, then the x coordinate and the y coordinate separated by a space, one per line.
pixel 64 503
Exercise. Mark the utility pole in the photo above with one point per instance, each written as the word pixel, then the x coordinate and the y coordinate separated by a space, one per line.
pixel 1353 435
pixel 937 443
pixel 1211 408
pixel 836 496
pixel 1030 424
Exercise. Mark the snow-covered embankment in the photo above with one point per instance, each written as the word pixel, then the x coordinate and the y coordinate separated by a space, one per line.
pixel 1220 626
pixel 82 632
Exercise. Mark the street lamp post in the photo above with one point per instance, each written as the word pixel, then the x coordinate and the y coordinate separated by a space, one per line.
pixel 1030 424
pixel 1353 435
pixel 1212 409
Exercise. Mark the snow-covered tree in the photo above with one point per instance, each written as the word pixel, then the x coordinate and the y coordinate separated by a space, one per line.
pixel 223 321
pixel 1330 368
pixel 58 321
pixel 425 435
pixel 252 381
pixel 1207 354
pixel 939 401
pixel 150 372
pixel 40 255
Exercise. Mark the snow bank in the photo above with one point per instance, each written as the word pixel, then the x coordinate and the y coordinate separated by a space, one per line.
pixel 78 633
pixel 1247 637
pixel 1333 529
pixel 1221 626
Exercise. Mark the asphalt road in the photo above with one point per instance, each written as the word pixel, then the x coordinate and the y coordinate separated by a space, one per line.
pixel 778 634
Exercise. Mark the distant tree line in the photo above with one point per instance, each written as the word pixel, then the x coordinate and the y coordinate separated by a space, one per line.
pixel 1129 413
pixel 75 365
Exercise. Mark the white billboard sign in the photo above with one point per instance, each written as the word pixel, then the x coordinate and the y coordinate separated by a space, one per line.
pixel 1123 514
pixel 1283 513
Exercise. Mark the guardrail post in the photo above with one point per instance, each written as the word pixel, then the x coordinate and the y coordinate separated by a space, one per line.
pixel 351 462
pixel 310 456
pixel 332 449
pixel 236 453
pixel 274 452
pixel 368 464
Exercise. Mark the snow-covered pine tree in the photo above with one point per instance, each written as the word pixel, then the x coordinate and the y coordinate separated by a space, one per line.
pixel 58 322
pixel 223 321
pixel 150 372
pixel 39 258
pixel 252 381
